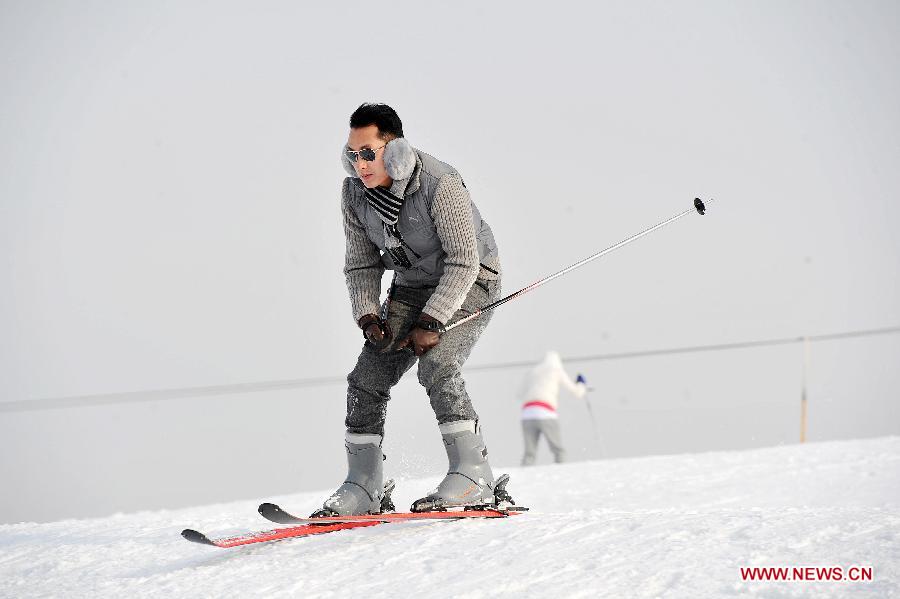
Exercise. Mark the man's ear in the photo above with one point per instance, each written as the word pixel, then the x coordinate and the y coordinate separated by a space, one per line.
pixel 399 159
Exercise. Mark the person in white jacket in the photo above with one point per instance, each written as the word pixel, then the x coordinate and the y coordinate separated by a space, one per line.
pixel 540 398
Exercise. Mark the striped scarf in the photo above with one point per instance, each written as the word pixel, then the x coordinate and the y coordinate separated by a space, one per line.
pixel 386 204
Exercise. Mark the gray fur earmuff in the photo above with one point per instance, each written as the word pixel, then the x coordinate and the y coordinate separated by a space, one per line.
pixel 399 159
pixel 345 162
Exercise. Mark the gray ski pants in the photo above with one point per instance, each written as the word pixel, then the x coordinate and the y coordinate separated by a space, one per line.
pixel 532 431
pixel 376 372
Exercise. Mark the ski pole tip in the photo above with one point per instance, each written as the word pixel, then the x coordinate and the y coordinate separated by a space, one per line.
pixel 700 206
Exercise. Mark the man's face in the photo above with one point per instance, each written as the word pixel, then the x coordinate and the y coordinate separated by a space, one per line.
pixel 373 173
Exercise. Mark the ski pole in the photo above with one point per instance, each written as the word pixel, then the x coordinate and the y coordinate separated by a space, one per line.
pixel 587 402
pixel 699 207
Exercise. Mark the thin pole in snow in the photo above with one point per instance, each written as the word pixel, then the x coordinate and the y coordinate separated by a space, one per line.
pixel 803 394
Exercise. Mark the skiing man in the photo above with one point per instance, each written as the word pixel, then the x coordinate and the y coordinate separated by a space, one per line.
pixel 540 396
pixel 408 212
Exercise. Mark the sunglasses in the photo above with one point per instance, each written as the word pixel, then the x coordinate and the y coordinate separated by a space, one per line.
pixel 367 154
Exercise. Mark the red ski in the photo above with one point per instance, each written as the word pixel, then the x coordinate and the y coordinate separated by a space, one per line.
pixel 272 512
pixel 325 525
pixel 272 535
pixel 321 525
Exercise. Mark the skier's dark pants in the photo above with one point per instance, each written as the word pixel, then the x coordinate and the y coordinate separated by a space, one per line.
pixel 376 372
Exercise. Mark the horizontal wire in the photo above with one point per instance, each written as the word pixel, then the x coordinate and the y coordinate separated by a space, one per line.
pixel 702 348
pixel 29 405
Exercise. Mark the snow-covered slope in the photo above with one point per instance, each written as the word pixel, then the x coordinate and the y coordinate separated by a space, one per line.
pixel 668 526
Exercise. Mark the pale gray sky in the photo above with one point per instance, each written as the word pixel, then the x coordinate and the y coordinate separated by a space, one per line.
pixel 169 192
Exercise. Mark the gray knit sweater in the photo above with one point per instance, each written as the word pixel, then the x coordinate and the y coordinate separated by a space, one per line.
pixel 452 245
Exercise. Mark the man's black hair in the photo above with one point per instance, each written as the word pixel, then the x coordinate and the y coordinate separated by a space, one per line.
pixel 381 115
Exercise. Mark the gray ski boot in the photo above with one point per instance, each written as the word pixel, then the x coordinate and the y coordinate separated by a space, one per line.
pixel 469 480
pixel 363 491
